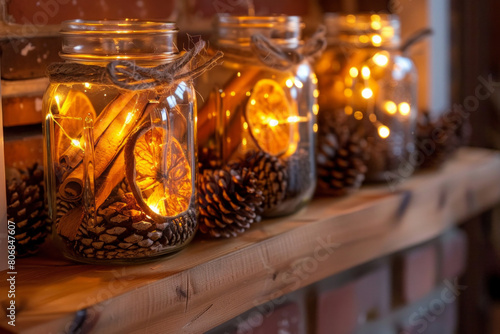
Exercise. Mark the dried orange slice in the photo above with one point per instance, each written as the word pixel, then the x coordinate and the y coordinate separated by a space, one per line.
pixel 158 172
pixel 69 119
pixel 267 114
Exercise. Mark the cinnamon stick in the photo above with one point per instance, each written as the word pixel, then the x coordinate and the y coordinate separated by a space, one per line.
pixel 239 85
pixel 107 147
pixel 73 155
pixel 115 173
pixel 71 221
pixel 68 118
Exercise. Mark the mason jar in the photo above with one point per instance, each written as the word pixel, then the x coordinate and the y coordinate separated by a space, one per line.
pixel 119 148
pixel 368 83
pixel 258 112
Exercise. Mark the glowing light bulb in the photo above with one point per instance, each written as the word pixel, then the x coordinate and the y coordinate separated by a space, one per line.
pixel 380 59
pixel 228 113
pixel 252 102
pixel 245 125
pixel 87 85
pixel 75 142
pixel 298 84
pixel 358 115
pixel 390 107
pixel 376 40
pixel 348 110
pixel 266 96
pixel 372 118
pixel 364 39
pixel 289 83
pixel 233 93
pixel 315 127
pixel 273 122
pixel 316 93
pixel 347 92
pixel 239 74
pixel 376 25
pixel 350 19
pixel 315 109
pixel 404 108
pixel 353 72
pixel 367 93
pixel 383 131
pixel 365 73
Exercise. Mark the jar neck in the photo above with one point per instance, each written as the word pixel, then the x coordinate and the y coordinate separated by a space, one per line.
pixel 104 41
pixel 363 30
pixel 235 32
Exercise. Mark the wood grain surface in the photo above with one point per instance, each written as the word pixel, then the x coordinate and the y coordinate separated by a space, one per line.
pixel 212 281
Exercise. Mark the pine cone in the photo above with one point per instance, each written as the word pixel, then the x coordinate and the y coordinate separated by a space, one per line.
pixel 438 140
pixel 271 174
pixel 122 230
pixel 25 206
pixel 228 201
pixel 341 159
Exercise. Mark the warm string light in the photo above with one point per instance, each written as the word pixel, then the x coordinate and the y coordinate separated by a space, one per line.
pixel 364 93
pixel 367 93
pixel 390 107
pixel 383 131
pixel 74 142
pixel 381 59
pixel 404 108
pixel 353 72
pixel 315 109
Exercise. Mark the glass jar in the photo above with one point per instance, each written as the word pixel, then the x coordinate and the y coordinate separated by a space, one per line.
pixel 369 84
pixel 261 116
pixel 120 160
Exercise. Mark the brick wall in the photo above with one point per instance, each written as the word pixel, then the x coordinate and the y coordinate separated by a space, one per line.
pixel 414 291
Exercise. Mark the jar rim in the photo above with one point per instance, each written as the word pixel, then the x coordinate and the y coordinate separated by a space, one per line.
pixel 106 40
pixel 235 31
pixel 126 26
pixel 228 20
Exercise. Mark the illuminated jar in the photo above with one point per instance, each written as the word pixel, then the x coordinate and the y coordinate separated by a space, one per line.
pixel 119 149
pixel 261 115
pixel 367 82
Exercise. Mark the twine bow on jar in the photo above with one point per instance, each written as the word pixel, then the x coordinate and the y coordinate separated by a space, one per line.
pixel 127 74
pixel 280 58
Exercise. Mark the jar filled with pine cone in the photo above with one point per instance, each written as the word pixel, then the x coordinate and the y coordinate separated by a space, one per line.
pixel 438 139
pixel 229 200
pixel 341 159
pixel 26 208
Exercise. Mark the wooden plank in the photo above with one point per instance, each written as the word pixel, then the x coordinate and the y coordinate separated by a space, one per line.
pixel 22 110
pixel 30 87
pixel 211 282
pixel 27 58
pixel 24 152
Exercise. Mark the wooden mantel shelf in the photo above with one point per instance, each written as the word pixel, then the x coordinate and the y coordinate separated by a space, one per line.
pixel 211 282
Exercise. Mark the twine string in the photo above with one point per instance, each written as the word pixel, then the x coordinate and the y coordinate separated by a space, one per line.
pixel 275 56
pixel 128 75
